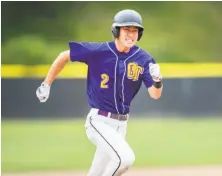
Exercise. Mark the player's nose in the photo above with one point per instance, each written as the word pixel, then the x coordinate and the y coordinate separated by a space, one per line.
pixel 130 34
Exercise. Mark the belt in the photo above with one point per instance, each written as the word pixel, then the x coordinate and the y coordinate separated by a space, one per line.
pixel 120 117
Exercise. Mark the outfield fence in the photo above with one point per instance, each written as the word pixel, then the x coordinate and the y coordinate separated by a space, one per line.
pixel 181 96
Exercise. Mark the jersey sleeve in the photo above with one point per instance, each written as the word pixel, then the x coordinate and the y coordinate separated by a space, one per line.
pixel 147 78
pixel 82 51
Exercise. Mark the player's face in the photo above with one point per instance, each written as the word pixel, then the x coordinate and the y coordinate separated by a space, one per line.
pixel 128 36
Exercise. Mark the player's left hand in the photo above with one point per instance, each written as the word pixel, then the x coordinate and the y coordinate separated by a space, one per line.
pixel 155 72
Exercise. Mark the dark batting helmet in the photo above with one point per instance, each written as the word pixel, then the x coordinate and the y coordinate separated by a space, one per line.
pixel 127 18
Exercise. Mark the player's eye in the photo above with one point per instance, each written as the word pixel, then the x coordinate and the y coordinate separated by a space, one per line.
pixel 135 30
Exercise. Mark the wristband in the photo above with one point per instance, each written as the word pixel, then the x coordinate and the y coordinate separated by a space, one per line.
pixel 158 84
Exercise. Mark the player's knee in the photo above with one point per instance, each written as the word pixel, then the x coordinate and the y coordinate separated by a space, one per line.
pixel 124 156
pixel 128 158
pixel 124 159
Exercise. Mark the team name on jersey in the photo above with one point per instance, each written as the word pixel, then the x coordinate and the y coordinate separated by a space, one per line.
pixel 134 70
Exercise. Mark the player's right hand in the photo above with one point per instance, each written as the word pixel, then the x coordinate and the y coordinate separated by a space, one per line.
pixel 43 92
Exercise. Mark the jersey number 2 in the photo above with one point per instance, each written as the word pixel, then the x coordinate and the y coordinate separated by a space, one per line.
pixel 105 79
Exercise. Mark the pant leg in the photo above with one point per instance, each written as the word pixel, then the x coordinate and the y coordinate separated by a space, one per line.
pixel 122 129
pixel 110 141
pixel 99 163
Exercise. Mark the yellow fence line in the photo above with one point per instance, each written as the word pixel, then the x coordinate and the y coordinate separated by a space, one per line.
pixel 78 70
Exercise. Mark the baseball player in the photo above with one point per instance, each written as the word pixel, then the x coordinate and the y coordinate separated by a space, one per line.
pixel 116 70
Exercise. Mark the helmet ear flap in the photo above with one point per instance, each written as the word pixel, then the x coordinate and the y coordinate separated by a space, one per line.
pixel 115 31
pixel 140 35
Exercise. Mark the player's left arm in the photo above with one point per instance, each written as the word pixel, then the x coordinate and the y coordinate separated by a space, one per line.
pixel 155 90
pixel 152 79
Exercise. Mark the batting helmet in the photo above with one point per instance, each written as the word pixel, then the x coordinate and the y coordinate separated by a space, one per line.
pixel 127 18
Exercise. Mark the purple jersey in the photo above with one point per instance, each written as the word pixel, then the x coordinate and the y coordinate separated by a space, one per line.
pixel 114 78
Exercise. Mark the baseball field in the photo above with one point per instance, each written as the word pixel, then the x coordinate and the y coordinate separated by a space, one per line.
pixel 163 146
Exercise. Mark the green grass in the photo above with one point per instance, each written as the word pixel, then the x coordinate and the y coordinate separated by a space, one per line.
pixel 63 145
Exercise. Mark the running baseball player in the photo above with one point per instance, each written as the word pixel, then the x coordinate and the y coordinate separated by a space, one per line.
pixel 116 70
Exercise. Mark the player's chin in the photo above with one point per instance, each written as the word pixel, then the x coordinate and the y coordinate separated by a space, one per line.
pixel 129 45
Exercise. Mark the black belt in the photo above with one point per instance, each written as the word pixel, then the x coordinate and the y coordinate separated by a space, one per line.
pixel 120 117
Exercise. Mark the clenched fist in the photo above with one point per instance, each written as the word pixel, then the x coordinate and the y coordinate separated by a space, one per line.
pixel 43 92
pixel 155 72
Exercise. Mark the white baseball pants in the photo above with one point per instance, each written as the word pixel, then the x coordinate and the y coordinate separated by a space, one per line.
pixel 113 155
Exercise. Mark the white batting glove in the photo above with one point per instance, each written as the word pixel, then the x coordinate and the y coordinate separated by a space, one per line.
pixel 155 72
pixel 43 92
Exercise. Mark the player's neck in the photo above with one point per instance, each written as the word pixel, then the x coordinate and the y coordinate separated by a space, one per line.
pixel 120 47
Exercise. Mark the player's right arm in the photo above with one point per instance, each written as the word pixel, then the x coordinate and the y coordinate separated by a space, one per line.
pixel 57 67
pixel 79 51
pixel 44 90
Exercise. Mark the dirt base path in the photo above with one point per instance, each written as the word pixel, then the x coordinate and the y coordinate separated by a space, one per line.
pixel 164 171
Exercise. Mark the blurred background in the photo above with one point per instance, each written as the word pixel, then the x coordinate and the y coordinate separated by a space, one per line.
pixel 184 127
